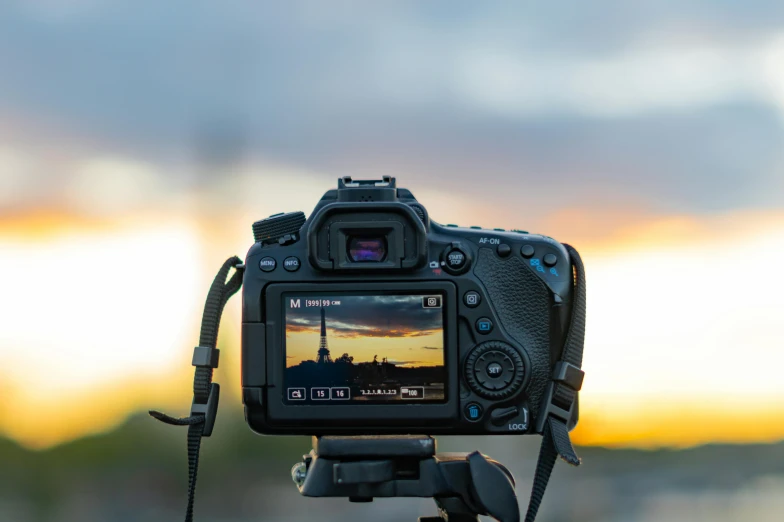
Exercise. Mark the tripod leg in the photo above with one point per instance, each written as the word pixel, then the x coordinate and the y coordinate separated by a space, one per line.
pixel 452 509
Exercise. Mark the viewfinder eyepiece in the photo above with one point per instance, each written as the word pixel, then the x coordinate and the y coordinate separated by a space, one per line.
pixel 363 249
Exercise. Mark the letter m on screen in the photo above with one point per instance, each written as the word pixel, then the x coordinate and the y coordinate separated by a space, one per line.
pixel 294 303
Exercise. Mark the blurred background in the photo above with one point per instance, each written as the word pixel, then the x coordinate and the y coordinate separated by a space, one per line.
pixel 139 141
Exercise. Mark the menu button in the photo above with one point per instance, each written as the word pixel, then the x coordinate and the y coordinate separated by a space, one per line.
pixel 267 264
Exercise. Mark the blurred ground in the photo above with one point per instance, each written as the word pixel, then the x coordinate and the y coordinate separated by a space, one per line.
pixel 138 473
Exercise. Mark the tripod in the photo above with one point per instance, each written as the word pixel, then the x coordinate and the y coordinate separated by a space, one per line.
pixel 463 485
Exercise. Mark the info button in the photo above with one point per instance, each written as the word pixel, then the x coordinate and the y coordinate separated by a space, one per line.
pixel 291 264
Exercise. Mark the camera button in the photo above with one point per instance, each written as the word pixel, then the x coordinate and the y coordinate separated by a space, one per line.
pixel 291 264
pixel 484 325
pixel 499 416
pixel 472 299
pixel 550 259
pixel 494 370
pixel 455 259
pixel 527 251
pixel 267 264
pixel 473 411
pixel 503 250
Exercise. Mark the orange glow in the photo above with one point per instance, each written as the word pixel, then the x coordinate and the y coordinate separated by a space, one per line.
pixel 677 422
pixel 661 302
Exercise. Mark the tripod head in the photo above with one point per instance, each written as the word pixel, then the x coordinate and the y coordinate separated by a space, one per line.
pixel 463 485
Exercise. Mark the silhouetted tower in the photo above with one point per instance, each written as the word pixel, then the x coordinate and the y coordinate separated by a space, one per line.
pixel 323 353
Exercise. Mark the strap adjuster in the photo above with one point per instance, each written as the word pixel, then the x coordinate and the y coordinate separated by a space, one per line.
pixel 548 408
pixel 564 374
pixel 205 357
pixel 568 374
pixel 208 410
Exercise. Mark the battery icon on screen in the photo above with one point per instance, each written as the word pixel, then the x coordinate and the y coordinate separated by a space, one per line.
pixel 412 392
pixel 431 301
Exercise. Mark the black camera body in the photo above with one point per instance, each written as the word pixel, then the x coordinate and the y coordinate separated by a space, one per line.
pixel 369 318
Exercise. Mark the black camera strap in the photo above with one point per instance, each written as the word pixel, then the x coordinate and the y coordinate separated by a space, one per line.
pixel 205 358
pixel 559 403
pixel 561 395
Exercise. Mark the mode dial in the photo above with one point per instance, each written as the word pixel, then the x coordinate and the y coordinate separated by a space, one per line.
pixel 494 370
pixel 278 226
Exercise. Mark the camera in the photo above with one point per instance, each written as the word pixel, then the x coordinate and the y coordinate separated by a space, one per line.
pixel 370 318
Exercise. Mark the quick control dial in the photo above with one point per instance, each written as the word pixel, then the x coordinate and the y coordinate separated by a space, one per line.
pixel 494 370
pixel 278 226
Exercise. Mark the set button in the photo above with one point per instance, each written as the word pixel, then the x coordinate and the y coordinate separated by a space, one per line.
pixel 494 370
pixel 267 264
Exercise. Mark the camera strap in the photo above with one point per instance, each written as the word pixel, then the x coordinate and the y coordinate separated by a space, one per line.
pixel 561 395
pixel 560 398
pixel 205 358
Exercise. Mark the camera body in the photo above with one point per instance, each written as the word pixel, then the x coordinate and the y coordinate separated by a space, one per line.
pixel 369 318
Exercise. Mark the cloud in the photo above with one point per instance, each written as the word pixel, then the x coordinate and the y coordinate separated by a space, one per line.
pixel 405 363
pixel 673 108
pixel 369 316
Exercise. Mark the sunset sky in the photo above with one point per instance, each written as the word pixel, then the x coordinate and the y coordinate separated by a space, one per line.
pixel 650 137
pixel 397 328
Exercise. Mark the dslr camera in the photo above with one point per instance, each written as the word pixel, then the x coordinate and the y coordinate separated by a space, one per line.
pixel 370 318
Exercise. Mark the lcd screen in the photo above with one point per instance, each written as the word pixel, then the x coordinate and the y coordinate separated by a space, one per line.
pixel 356 349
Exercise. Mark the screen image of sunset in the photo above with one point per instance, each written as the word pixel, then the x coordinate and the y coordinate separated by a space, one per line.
pixel 367 347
